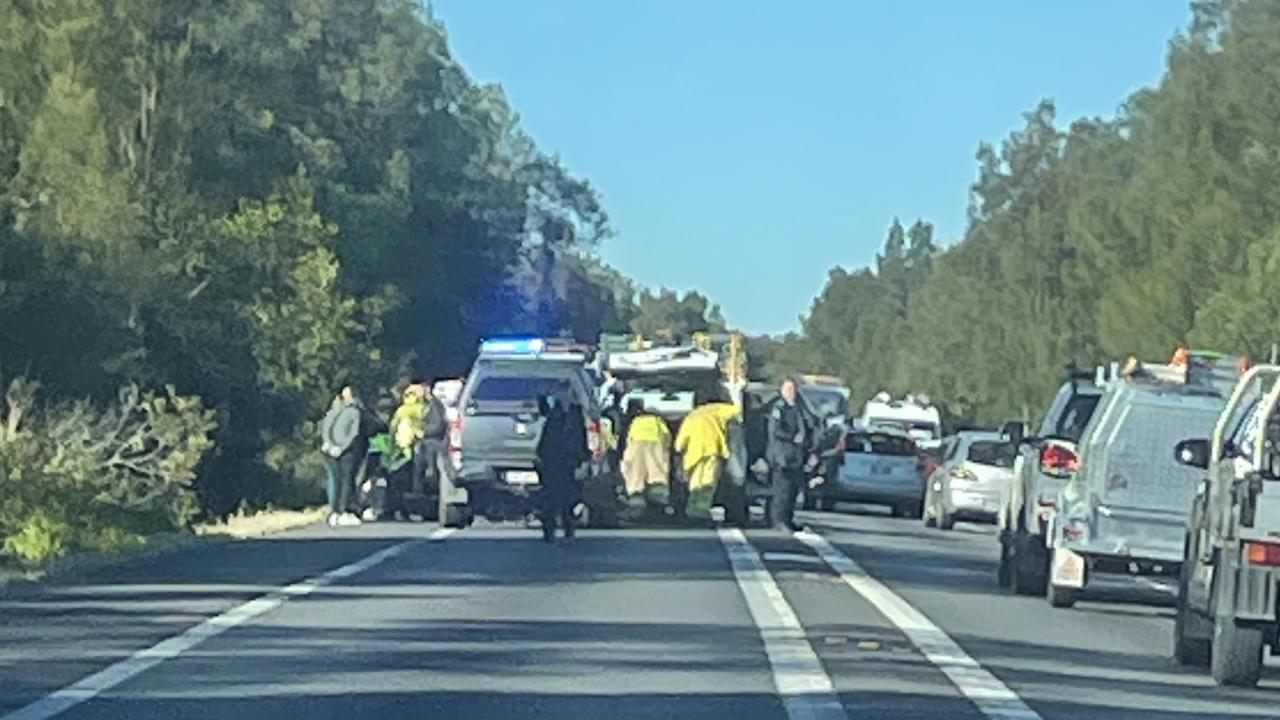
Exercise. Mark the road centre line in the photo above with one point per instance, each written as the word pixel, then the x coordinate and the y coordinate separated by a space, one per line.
pixel 803 685
pixel 992 697
pixel 85 689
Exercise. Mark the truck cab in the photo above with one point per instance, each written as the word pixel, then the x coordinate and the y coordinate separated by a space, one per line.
pixel 1230 575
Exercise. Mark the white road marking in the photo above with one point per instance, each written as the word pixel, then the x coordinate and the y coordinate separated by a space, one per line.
pixel 983 689
pixel 87 688
pixel 792 558
pixel 806 691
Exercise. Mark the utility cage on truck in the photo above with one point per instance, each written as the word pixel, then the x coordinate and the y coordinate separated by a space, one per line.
pixel 1124 509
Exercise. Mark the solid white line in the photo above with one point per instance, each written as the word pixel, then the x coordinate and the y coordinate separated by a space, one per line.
pixel 801 682
pixel 983 689
pixel 87 688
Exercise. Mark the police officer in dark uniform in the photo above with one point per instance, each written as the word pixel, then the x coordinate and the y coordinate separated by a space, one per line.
pixel 791 432
pixel 562 447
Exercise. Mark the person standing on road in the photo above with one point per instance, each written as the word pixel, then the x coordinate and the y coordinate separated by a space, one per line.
pixel 790 438
pixel 560 451
pixel 347 446
pixel 432 456
pixel 330 456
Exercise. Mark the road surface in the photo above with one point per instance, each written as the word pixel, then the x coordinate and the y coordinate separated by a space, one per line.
pixel 866 616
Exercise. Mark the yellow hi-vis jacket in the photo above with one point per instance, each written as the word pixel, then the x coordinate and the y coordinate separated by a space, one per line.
pixel 704 433
pixel 649 428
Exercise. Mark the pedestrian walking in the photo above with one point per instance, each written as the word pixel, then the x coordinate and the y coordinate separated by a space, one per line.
pixel 561 449
pixel 790 438
pixel 347 445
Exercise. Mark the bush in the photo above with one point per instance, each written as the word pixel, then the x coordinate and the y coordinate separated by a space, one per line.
pixel 74 476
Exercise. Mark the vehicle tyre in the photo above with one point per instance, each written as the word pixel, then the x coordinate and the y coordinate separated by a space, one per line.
pixel 946 520
pixel 915 511
pixel 1236 655
pixel 1029 570
pixel 1004 572
pixel 1192 634
pixel 1060 597
pixel 828 504
pixel 456 516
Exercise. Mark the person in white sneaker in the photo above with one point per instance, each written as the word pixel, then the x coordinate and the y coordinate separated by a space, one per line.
pixel 346 444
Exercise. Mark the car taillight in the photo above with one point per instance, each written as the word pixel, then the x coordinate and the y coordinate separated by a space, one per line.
pixel 455 443
pixel 1058 460
pixel 1263 553
pixel 595 439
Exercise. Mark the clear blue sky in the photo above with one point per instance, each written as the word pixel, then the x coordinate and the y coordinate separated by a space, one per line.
pixel 788 135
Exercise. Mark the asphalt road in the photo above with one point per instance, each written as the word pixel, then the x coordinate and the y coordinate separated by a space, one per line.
pixel 866 617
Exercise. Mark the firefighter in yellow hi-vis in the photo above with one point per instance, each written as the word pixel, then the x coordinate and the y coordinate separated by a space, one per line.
pixel 703 442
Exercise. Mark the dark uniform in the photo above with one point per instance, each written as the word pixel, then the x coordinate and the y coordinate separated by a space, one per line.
pixel 790 439
pixel 562 447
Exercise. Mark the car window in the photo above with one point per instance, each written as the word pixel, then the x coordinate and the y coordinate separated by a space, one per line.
pixel 952 446
pixel 526 389
pixel 825 403
pixel 879 444
pixel 1076 416
pixel 992 452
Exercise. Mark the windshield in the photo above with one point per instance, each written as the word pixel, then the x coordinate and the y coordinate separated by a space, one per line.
pixel 826 403
pixel 879 444
pixel 992 452
pixel 525 389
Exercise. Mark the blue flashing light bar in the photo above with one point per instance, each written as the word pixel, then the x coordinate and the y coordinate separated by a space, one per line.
pixel 512 346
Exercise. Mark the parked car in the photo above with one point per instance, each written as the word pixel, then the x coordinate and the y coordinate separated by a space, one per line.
pixel 1044 464
pixel 976 468
pixel 880 468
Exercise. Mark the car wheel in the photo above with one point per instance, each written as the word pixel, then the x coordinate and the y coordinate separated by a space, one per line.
pixel 1004 571
pixel 828 504
pixel 456 516
pixel 1060 597
pixel 1192 634
pixel 946 521
pixel 1029 569
pixel 1235 655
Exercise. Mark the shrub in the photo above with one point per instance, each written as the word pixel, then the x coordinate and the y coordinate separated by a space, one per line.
pixel 76 476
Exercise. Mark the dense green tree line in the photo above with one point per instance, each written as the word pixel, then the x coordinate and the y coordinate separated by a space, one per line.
pixel 1106 238
pixel 251 203
pixel 254 202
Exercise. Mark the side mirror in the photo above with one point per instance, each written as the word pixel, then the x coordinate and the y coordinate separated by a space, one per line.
pixel 1014 433
pixel 1193 453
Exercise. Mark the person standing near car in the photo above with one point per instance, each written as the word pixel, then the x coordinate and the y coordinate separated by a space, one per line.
pixel 347 445
pixel 560 450
pixel 790 440
pixel 330 457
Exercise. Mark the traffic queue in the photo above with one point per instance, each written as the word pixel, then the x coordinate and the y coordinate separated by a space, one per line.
pixel 1164 470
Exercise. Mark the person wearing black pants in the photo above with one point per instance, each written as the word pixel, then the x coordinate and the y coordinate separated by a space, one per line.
pixel 562 447
pixel 790 437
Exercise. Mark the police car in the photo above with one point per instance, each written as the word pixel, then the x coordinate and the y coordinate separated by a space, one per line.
pixel 494 437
